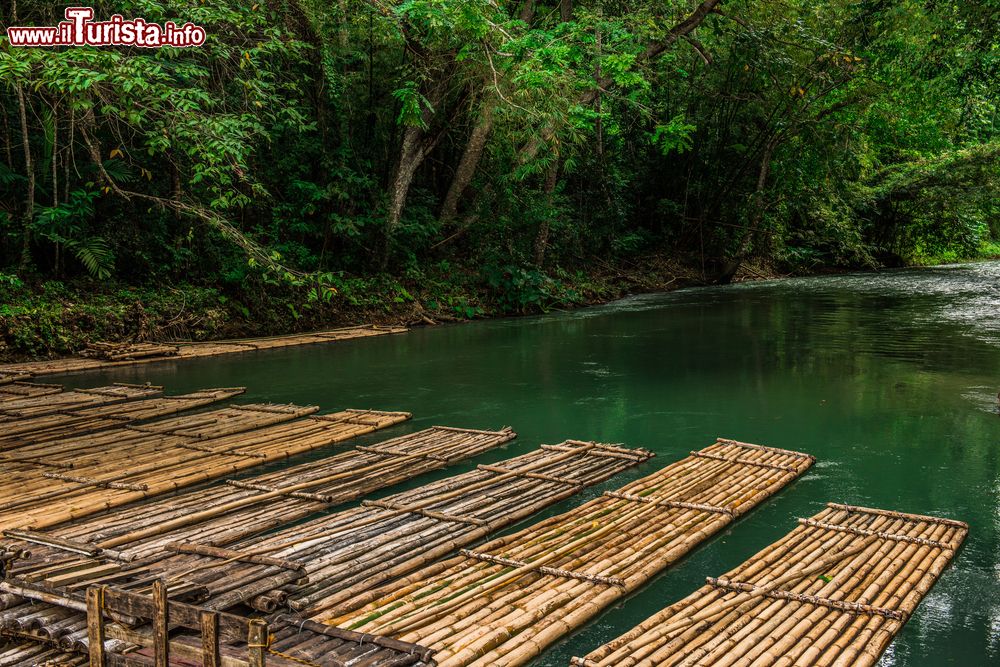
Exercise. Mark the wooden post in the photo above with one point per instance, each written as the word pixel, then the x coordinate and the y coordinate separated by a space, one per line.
pixel 209 639
pixel 161 638
pixel 95 626
pixel 257 642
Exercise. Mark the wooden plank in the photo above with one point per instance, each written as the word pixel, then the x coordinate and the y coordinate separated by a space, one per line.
pixel 231 628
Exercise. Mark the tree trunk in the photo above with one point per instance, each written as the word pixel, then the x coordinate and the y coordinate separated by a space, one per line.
pixel 542 240
pixel 469 163
pixel 565 10
pixel 411 154
pixel 29 210
pixel 733 265
pixel 414 148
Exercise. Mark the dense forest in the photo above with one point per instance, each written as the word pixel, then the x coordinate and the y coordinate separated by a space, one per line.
pixel 318 161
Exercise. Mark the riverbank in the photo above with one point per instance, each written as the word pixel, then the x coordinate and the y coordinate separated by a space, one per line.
pixel 50 320
pixel 56 319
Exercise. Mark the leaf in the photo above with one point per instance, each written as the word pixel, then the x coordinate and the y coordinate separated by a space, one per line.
pixel 95 255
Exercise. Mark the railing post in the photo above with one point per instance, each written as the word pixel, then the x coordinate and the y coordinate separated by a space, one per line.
pixel 161 638
pixel 95 626
pixel 209 638
pixel 257 642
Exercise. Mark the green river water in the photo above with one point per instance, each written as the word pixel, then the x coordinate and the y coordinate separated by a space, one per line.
pixel 889 379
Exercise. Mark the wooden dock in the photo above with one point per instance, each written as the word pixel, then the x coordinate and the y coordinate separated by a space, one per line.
pixel 187 350
pixel 833 592
pixel 503 603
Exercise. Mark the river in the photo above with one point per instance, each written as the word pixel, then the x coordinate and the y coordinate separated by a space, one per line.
pixel 889 379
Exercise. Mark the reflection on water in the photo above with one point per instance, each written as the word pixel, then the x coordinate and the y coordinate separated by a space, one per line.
pixel 890 379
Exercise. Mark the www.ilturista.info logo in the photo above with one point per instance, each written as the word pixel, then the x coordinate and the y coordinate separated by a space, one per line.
pixel 80 30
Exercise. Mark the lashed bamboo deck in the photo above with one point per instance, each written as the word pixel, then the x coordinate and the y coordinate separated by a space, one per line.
pixel 17 389
pixel 21 400
pixel 833 592
pixel 504 602
pixel 222 514
pixel 71 423
pixel 340 554
pixel 328 558
pixel 7 377
pixel 54 482
pixel 190 351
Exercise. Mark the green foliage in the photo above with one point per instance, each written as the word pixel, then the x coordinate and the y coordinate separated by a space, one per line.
pixel 268 165
pixel 519 290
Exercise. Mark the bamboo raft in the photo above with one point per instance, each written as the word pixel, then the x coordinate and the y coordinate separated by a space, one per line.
pixel 222 514
pixel 17 390
pixel 347 553
pixel 84 421
pixel 331 557
pixel 7 377
pixel 192 350
pixel 46 399
pixel 506 601
pixel 127 351
pixel 50 483
pixel 835 592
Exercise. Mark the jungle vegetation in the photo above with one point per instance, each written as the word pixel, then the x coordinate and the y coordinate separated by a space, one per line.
pixel 480 156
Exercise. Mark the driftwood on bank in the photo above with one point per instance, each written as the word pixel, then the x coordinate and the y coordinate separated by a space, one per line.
pixel 497 605
pixel 833 592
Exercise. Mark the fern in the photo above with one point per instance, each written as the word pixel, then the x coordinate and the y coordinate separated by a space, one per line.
pixel 95 255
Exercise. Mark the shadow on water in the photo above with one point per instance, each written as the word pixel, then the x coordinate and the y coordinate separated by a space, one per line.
pixel 890 379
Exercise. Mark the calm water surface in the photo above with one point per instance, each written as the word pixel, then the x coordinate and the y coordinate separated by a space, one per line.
pixel 889 379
